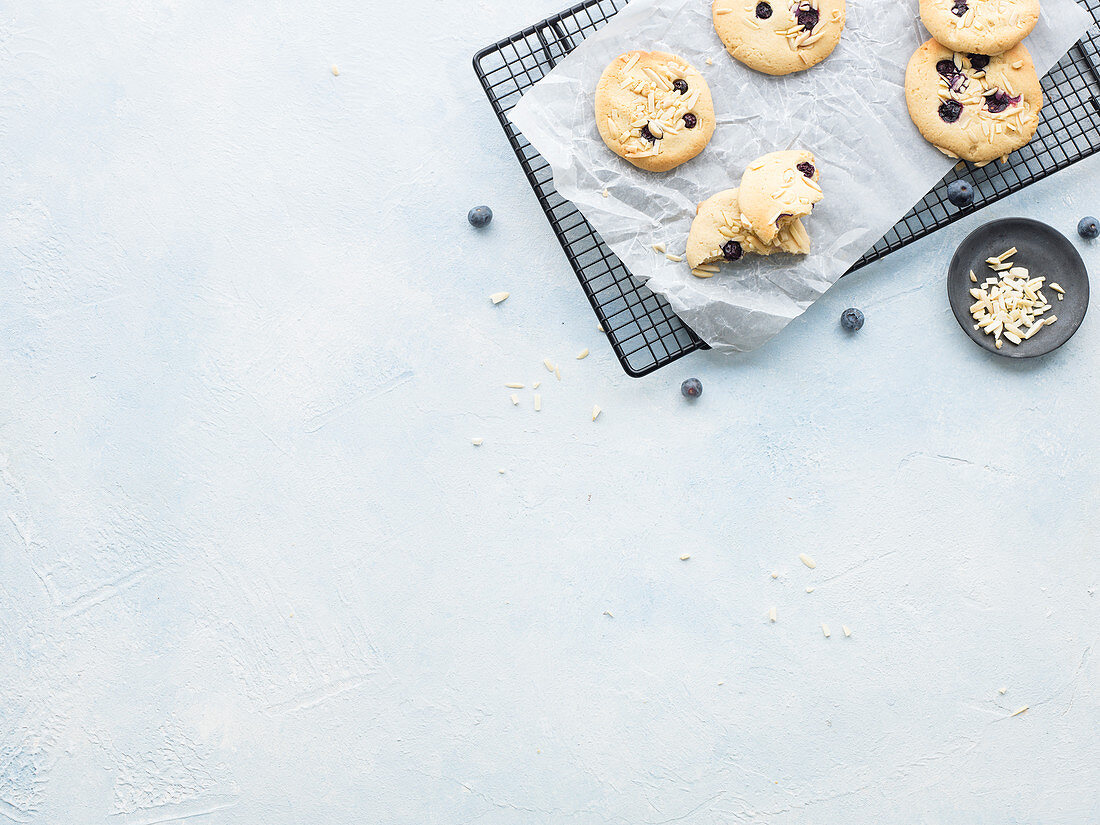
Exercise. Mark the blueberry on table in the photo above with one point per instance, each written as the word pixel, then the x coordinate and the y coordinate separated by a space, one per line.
pixel 692 388
pixel 1088 228
pixel 480 216
pixel 960 193
pixel 851 319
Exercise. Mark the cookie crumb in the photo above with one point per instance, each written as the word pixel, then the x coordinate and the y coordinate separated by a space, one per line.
pixel 582 354
pixel 806 560
pixel 497 297
pixel 596 412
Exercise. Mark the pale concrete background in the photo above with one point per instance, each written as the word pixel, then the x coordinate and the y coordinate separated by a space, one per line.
pixel 253 570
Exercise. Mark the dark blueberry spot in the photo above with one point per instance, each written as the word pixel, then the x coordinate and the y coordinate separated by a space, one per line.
pixel 978 61
pixel 680 85
pixel 999 101
pixel 732 251
pixel 851 319
pixel 960 8
pixel 648 135
pixel 947 68
pixel 807 18
pixel 806 168
pixel 692 388
pixel 950 111
pixel 763 11
pixel 690 120
pixel 480 216
pixel 1088 228
pixel 960 193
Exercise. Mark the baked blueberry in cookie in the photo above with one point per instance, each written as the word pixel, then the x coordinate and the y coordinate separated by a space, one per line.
pixel 779 37
pixel 719 233
pixel 654 110
pixel 979 26
pixel 972 105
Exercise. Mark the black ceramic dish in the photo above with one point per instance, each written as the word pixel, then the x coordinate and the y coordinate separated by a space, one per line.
pixel 1044 251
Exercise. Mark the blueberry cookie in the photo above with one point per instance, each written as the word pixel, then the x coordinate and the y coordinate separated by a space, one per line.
pixel 778 188
pixel 654 110
pixel 719 234
pixel 979 26
pixel 779 37
pixel 973 106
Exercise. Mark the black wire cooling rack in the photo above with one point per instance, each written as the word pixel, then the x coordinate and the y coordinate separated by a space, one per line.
pixel 644 331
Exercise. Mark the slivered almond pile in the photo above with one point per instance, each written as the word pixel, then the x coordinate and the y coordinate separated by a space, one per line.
pixel 1012 304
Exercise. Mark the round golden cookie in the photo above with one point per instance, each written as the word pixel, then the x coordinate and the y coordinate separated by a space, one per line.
pixel 778 188
pixel 779 36
pixel 654 110
pixel 972 106
pixel 979 26
pixel 718 233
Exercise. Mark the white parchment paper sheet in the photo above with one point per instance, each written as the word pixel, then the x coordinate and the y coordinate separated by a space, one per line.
pixel 849 110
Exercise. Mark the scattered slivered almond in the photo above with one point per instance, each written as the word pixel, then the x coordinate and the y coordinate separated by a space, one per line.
pixel 535 386
pixel 477 442
pixel 608 613
pixel 497 297
pixel 710 62
pixel 775 575
pixel 698 273
pixel 549 366
pixel 514 386
pixel 515 399
pixel 335 70
pixel 1018 712
pixel 708 268
pixel 501 472
pixel 825 629
pixel 538 401
pixel 605 193
pixel 685 557
pixel 847 630
pixel 806 560
pixel 599 327
pixel 582 354
pixel 596 412
pixel 659 247
pixel 809 590
pixel 676 258
pixel 1003 691
pixel 772 613
pixel 557 373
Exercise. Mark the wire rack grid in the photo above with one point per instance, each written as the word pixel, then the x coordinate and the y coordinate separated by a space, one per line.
pixel 643 330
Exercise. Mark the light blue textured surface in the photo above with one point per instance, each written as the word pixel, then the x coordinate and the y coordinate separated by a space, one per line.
pixel 253 570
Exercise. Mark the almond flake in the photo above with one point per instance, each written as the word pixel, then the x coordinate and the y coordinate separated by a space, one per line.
pixel 538 402
pixel 605 193
pixel 515 399
pixel 806 560
pixel 335 70
pixel 772 614
pixel 1003 691
pixel 596 412
pixel 514 386
pixel 1018 712
pixel 477 442
pixel 582 354
pixel 809 590
pixel 659 247
pixel 535 386
pixel 1056 288
pixel 549 366
pixel 847 630
pixel 685 557
pixel 676 258
pixel 557 373
pixel 825 629
pixel 497 297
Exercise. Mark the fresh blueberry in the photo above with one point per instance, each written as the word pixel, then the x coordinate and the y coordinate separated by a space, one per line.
pixel 690 120
pixel 960 8
pixel 692 388
pixel 480 216
pixel 807 18
pixel 950 111
pixel 648 135
pixel 680 85
pixel 806 168
pixel 947 68
pixel 851 319
pixel 999 101
pixel 1088 228
pixel 731 251
pixel 763 11
pixel 978 61
pixel 960 193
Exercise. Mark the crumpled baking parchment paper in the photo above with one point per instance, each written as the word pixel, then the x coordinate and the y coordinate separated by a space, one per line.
pixel 849 110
